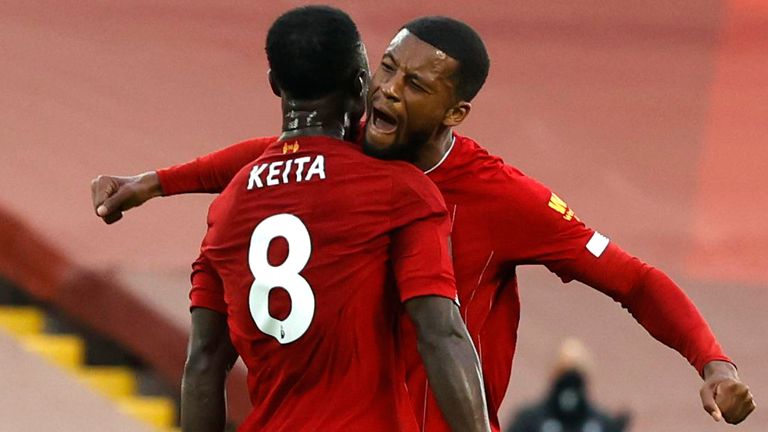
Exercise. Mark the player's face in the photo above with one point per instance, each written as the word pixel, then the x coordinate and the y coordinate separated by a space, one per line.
pixel 410 95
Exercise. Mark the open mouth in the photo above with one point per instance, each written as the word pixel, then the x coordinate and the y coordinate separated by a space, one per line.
pixel 384 122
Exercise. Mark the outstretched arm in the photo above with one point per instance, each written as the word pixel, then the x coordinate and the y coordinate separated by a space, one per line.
pixel 112 195
pixel 546 231
pixel 210 357
pixel 669 315
pixel 724 395
pixel 451 362
pixel 666 312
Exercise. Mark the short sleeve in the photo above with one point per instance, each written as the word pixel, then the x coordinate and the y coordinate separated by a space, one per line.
pixel 420 241
pixel 207 288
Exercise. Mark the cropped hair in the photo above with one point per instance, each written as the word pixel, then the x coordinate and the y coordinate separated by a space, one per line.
pixel 461 42
pixel 313 51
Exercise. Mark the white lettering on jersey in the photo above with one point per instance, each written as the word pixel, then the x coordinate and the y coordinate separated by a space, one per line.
pixel 300 168
pixel 273 173
pixel 597 244
pixel 318 167
pixel 255 179
pixel 287 170
pixel 279 172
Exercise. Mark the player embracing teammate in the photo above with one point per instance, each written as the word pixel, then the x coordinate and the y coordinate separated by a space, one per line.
pixel 500 219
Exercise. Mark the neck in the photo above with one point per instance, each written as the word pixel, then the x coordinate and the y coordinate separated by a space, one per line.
pixel 311 118
pixel 433 151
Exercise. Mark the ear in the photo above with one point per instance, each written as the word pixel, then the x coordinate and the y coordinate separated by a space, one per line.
pixel 273 83
pixel 362 81
pixel 457 114
pixel 356 102
pixel 358 91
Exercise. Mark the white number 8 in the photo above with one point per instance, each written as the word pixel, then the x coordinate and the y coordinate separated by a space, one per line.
pixel 286 275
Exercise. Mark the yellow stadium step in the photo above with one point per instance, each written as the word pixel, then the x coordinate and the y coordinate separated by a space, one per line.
pixel 68 351
pixel 159 412
pixel 22 320
pixel 65 350
pixel 112 381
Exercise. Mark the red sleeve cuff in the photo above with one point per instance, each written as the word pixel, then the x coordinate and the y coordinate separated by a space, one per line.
pixel 699 365
pixel 206 291
pixel 206 300
pixel 430 287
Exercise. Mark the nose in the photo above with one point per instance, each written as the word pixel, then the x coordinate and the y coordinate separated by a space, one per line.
pixel 390 88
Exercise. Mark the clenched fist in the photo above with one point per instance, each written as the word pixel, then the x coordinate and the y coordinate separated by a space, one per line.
pixel 112 195
pixel 723 395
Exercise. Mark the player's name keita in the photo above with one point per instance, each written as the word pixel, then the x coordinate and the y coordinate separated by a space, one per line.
pixel 300 169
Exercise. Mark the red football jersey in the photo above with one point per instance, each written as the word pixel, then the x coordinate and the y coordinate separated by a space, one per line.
pixel 316 246
pixel 502 219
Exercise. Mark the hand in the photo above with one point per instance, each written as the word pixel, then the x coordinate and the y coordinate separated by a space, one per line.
pixel 113 195
pixel 723 395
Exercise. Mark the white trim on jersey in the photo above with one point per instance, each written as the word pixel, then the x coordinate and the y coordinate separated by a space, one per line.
pixel 453 141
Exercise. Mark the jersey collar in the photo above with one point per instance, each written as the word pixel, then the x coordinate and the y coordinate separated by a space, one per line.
pixel 445 156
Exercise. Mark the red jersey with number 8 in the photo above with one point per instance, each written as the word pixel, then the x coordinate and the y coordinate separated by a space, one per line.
pixel 316 247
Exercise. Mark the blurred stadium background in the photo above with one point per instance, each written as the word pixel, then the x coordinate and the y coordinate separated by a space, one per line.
pixel 650 118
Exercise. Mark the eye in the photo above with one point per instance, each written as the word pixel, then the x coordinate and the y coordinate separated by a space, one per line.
pixel 387 67
pixel 417 86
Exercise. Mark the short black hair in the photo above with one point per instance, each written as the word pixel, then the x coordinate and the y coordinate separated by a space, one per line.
pixel 313 51
pixel 461 42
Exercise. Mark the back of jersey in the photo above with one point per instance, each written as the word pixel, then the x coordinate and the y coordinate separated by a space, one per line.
pixel 301 241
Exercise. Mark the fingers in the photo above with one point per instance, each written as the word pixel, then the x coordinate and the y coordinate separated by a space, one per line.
pixel 735 401
pixel 728 399
pixel 707 394
pixel 111 218
pixel 101 188
pixel 110 196
pixel 115 202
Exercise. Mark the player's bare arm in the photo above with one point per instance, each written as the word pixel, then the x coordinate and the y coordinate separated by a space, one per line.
pixel 112 195
pixel 211 356
pixel 723 395
pixel 451 362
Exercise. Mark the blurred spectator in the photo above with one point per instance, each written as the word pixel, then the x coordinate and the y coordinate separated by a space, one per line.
pixel 566 407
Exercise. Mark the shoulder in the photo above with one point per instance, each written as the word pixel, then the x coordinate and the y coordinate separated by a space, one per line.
pixel 400 186
pixel 488 170
pixel 508 188
pixel 504 182
pixel 408 180
pixel 399 172
pixel 258 141
pixel 410 189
